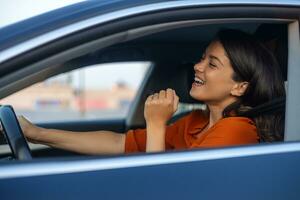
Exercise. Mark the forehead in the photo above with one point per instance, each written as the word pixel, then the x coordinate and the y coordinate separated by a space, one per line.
pixel 216 49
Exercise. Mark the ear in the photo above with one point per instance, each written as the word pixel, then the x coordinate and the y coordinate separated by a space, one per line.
pixel 239 89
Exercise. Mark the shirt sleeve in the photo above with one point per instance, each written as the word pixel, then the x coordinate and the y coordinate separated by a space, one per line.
pixel 136 139
pixel 230 132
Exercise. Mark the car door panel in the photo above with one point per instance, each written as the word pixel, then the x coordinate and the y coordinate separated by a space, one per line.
pixel 250 177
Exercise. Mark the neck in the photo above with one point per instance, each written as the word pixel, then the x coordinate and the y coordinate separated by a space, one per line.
pixel 216 111
pixel 215 114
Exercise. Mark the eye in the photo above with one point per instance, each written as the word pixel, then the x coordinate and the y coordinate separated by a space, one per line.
pixel 212 65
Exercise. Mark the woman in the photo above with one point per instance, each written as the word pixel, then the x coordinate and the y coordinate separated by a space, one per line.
pixel 235 73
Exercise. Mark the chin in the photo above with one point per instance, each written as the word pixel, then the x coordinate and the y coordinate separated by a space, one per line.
pixel 198 97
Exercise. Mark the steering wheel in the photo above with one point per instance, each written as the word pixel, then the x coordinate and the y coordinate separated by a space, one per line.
pixel 13 133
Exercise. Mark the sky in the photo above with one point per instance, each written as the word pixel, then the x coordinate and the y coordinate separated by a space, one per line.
pixel 104 76
pixel 17 10
pixel 12 11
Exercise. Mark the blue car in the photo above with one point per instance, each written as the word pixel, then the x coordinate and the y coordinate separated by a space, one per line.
pixel 126 49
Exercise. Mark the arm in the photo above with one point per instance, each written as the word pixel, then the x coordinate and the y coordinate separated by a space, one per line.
pixel 159 108
pixel 94 142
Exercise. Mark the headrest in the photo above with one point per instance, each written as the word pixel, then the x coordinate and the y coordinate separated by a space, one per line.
pixel 274 37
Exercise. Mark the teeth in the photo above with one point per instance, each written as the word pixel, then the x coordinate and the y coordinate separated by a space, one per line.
pixel 198 80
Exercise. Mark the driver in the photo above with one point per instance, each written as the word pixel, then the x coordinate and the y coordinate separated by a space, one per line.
pixel 235 73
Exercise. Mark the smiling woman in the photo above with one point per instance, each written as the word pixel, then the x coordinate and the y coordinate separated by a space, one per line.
pixel 229 78
pixel 235 74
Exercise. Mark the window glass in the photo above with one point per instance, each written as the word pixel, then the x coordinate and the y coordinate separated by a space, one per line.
pixel 102 91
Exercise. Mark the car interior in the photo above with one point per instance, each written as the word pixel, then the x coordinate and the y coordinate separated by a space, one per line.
pixel 172 52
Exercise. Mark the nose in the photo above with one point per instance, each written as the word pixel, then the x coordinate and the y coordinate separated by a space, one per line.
pixel 200 66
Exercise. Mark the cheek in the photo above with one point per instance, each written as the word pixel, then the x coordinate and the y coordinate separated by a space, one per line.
pixel 221 83
pixel 217 87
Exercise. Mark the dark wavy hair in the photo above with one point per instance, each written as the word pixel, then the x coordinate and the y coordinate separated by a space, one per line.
pixel 254 63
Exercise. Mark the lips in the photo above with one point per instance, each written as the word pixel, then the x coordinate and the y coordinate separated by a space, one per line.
pixel 198 81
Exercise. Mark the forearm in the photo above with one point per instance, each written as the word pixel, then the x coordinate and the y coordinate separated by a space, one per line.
pixel 159 108
pixel 93 143
pixel 155 138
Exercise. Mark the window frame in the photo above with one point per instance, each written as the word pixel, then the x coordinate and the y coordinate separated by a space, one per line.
pixel 292 116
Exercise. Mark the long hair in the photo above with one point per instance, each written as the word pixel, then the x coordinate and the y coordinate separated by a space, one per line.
pixel 254 63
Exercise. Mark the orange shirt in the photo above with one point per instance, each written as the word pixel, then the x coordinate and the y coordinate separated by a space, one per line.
pixel 183 133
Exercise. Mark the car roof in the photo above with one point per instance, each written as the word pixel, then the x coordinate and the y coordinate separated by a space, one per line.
pixel 61 17
pixel 58 18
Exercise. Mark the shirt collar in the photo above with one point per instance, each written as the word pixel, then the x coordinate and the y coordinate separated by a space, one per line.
pixel 200 122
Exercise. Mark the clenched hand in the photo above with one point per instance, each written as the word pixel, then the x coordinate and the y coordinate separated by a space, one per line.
pixel 160 107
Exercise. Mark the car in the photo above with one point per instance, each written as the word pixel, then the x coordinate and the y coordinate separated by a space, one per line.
pixel 164 38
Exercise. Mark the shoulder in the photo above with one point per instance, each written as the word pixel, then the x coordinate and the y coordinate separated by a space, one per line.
pixel 239 128
pixel 241 122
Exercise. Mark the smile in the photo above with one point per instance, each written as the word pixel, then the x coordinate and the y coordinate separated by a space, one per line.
pixel 198 81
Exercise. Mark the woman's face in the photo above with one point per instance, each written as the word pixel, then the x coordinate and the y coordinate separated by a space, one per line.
pixel 213 76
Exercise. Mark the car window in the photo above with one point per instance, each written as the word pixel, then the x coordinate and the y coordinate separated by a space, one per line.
pixel 103 91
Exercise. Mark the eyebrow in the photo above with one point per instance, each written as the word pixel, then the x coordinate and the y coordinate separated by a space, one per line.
pixel 216 58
